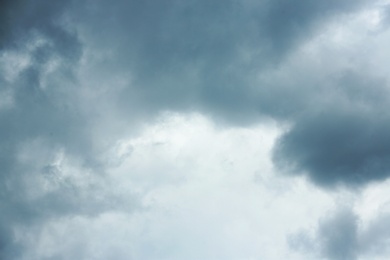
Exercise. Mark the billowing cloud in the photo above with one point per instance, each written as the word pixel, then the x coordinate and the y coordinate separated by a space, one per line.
pixel 80 81
pixel 345 141
pixel 242 61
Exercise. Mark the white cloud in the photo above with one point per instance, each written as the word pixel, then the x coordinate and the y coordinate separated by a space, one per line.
pixel 205 193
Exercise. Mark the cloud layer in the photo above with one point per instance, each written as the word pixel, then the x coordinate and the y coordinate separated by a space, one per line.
pixel 79 79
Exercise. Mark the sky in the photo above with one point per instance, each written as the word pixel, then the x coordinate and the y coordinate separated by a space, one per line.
pixel 207 129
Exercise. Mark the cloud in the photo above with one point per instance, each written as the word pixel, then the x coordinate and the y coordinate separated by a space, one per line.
pixel 241 62
pixel 80 77
pixel 345 234
pixel 46 147
pixel 344 142
pixel 201 56
pixel 335 237
pixel 338 236
pixel 204 192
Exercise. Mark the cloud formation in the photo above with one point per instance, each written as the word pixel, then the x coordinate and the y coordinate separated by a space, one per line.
pixel 204 56
pixel 43 127
pixel 343 234
pixel 241 42
pixel 80 77
pixel 243 61
pixel 344 142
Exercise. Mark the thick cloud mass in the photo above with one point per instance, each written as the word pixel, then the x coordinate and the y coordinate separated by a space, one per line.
pixel 345 142
pixel 242 61
pixel 79 77
pixel 203 55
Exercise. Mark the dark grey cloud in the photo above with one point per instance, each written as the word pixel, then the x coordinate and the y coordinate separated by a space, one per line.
pixel 205 56
pixel 288 22
pixel 344 142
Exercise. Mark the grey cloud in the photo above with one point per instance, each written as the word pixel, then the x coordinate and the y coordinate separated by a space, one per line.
pixel 338 236
pixel 288 22
pixel 44 118
pixel 341 235
pixel 344 142
pixel 199 55
pixel 375 238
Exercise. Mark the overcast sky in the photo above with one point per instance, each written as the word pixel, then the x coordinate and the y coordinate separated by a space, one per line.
pixel 194 129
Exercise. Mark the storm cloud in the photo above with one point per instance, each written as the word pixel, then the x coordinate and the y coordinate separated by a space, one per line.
pixel 204 56
pixel 79 77
pixel 241 62
pixel 344 142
